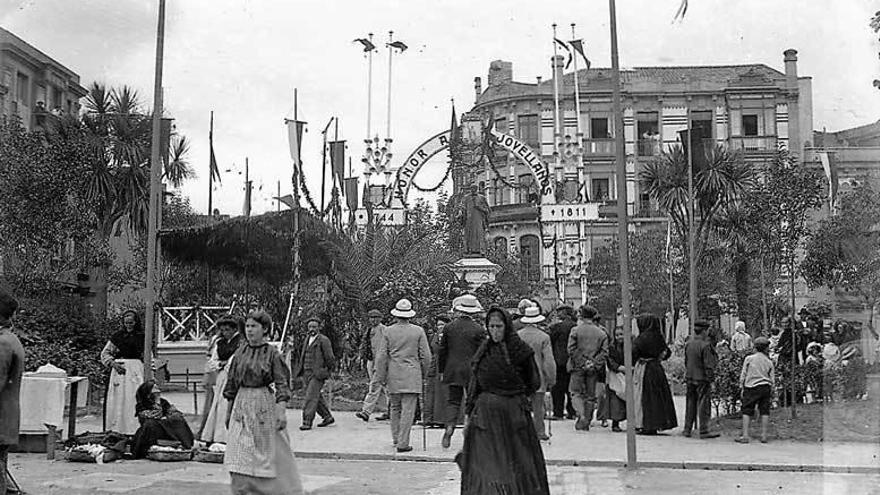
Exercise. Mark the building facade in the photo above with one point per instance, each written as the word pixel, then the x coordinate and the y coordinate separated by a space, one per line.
pixel 753 108
pixel 33 86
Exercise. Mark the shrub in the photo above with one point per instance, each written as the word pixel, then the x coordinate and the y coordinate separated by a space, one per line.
pixel 59 329
pixel 727 382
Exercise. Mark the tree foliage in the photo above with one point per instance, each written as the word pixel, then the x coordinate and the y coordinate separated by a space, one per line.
pixel 45 219
pixel 843 251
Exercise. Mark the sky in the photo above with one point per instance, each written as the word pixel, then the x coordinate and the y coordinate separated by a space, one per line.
pixel 243 58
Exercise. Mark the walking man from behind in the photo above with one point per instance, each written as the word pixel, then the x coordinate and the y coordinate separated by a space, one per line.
pixel 460 341
pixel 11 368
pixel 587 352
pixel 402 362
pixel 369 350
pixel 699 361
pixel 559 333
pixel 539 341
pixel 315 365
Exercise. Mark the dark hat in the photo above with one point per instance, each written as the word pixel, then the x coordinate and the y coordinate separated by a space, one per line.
pixel 701 324
pixel 762 341
pixel 374 312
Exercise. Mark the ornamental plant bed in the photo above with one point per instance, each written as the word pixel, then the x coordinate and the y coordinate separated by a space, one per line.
pixel 848 421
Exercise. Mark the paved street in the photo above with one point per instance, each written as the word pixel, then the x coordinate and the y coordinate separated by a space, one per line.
pixel 326 477
pixel 354 438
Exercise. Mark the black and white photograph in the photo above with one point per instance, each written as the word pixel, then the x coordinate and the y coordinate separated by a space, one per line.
pixel 269 247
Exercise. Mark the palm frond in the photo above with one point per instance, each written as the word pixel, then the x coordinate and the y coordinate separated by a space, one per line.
pixel 177 168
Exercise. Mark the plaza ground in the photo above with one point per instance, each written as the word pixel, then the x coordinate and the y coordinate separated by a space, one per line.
pixel 351 438
pixel 333 477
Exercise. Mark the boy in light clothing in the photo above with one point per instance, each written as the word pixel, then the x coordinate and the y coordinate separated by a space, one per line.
pixel 756 381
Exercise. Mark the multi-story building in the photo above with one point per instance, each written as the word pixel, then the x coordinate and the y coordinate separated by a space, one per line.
pixel 33 86
pixel 753 108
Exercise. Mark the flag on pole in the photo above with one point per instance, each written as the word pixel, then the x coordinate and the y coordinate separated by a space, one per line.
pixel 294 138
pixel 351 192
pixel 247 198
pixel 830 169
pixel 565 47
pixel 578 46
pixel 367 44
pixel 286 200
pixel 682 10
pixel 214 169
pixel 337 160
pixel 399 45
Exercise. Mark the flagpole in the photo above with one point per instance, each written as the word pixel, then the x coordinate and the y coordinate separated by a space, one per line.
pixel 154 202
pixel 577 92
pixel 671 335
pixel 279 194
pixel 324 167
pixel 210 170
pixel 557 133
pixel 369 87
pixel 623 238
pixel 692 279
pixel 390 53
pixel 247 221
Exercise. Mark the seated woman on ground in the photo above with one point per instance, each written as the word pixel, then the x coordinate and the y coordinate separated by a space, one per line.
pixel 160 422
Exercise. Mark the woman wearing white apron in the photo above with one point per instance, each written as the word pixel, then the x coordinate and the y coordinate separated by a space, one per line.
pixel 123 354
pixel 225 345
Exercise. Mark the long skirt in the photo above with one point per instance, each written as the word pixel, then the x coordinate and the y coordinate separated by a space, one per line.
pixel 258 455
pixel 436 394
pixel 502 454
pixel 215 426
pixel 655 410
pixel 119 401
pixel 615 406
pixel 174 429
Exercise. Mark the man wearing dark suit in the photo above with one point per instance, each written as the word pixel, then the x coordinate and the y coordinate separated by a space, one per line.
pixel 559 333
pixel 699 362
pixel 11 368
pixel 460 341
pixel 315 365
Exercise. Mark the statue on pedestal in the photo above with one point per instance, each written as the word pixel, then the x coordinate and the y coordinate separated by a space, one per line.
pixel 474 214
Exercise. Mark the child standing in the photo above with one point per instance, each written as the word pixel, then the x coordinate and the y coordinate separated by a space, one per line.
pixel 756 380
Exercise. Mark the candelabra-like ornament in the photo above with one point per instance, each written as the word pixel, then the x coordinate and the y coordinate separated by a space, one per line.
pixel 570 153
pixel 376 159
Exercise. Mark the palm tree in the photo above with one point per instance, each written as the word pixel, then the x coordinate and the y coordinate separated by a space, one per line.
pixel 116 132
pixel 720 180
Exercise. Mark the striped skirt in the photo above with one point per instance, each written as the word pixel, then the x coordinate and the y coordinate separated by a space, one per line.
pixel 258 455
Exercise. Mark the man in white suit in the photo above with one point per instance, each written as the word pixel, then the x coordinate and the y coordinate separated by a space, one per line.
pixel 401 364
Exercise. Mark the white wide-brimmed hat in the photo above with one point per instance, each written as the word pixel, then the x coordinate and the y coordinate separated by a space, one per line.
pixel 468 303
pixel 532 315
pixel 523 304
pixel 403 309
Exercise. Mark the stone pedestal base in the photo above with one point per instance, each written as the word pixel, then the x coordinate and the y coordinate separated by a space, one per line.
pixel 476 271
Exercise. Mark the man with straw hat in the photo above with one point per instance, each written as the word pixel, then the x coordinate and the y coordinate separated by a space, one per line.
pixel 460 341
pixel 539 341
pixel 402 362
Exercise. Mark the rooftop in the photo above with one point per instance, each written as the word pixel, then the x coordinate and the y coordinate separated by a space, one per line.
pixel 599 78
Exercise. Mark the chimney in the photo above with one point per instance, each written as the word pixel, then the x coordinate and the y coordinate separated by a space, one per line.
pixel 791 77
pixel 478 88
pixel 539 80
pixel 500 72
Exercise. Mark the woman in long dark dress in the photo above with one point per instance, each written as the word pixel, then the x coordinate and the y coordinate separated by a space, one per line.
pixel 615 403
pixel 159 421
pixel 655 410
pixel 502 454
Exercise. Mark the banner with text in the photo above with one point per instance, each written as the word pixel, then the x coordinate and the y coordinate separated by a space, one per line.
pixel 526 155
pixel 416 160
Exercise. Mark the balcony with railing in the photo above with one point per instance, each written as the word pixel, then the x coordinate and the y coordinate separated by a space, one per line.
pixel 753 144
pixel 649 147
pixel 602 147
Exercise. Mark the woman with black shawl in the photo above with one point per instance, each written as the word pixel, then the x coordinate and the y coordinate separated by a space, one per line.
pixel 160 422
pixel 654 408
pixel 502 454
pixel 123 355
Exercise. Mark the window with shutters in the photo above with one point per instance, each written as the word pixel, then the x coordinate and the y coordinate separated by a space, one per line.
pixel 530 256
pixel 528 130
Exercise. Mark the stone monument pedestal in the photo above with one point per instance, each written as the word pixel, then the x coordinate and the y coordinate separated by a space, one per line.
pixel 476 271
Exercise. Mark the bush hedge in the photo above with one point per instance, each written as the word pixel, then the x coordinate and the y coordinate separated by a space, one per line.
pixel 61 330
